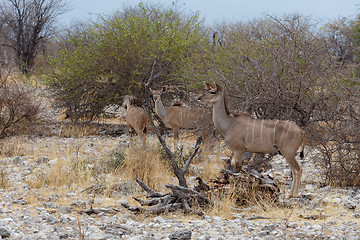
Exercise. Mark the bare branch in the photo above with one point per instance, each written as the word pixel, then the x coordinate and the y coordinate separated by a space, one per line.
pixel 188 162
pixel 150 192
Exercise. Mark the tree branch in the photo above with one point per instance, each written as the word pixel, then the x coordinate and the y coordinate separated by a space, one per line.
pixel 188 162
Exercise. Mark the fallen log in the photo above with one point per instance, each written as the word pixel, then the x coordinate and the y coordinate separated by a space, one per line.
pixel 180 198
pixel 187 193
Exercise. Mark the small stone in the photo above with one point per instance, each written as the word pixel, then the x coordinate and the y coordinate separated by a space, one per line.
pixel 317 227
pixel 17 159
pixel 269 237
pixel 351 205
pixel 77 203
pixel 50 205
pixel 67 218
pixel 203 237
pixel 336 201
pixel 19 201
pixel 263 233
pixel 4 233
pixel 42 159
pixel 268 228
pixel 181 235
pixel 71 194
pixel 158 219
pixel 64 209
pixel 52 219
pixel 325 189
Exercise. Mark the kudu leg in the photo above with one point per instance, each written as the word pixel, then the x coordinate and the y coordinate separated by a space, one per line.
pixel 238 156
pixel 128 128
pixel 296 173
pixel 176 138
pixel 143 138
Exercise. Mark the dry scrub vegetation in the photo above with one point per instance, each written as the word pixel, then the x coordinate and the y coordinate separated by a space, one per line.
pixel 74 164
pixel 273 68
pixel 73 157
pixel 66 164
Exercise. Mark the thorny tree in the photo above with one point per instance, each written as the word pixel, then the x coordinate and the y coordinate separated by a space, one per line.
pixel 26 25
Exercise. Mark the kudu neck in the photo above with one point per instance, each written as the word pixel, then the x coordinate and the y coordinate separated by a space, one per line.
pixel 160 109
pixel 128 105
pixel 222 120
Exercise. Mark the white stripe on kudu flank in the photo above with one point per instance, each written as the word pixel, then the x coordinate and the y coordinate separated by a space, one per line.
pixel 284 130
pixel 247 132
pixel 287 131
pixel 261 130
pixel 253 132
pixel 276 121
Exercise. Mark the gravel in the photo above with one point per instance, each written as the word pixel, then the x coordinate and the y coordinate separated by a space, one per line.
pixel 319 213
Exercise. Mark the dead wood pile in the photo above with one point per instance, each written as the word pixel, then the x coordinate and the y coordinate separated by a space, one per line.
pixel 245 186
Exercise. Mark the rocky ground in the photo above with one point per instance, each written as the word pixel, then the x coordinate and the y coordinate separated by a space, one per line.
pixel 30 213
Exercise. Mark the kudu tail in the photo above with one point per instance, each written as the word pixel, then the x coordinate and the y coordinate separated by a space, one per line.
pixel 304 141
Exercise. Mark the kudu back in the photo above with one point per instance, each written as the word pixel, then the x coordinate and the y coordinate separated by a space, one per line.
pixel 136 118
pixel 244 133
pixel 180 117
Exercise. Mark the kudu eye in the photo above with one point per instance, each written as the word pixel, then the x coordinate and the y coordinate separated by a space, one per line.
pixel 212 92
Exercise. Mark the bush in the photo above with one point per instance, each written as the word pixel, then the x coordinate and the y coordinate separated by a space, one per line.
pixel 338 143
pixel 289 68
pixel 18 106
pixel 98 63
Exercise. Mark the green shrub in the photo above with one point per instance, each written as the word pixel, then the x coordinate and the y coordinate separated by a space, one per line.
pixel 99 62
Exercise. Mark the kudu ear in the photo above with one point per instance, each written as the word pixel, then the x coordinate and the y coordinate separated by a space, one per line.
pixel 218 88
pixel 164 89
pixel 208 86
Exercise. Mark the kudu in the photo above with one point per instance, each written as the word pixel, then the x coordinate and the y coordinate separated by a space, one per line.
pixel 136 118
pixel 180 117
pixel 245 133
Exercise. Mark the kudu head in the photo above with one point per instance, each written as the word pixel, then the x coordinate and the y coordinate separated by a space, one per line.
pixel 214 93
pixel 128 100
pixel 157 93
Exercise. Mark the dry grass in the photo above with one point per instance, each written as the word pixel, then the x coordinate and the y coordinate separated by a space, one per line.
pixel 12 147
pixel 4 182
pixel 224 203
pixel 148 165
pixel 77 163
pixel 64 172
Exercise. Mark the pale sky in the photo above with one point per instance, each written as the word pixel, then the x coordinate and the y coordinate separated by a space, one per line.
pixel 224 10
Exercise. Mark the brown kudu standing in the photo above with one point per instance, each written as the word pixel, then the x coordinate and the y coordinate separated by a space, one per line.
pixel 179 117
pixel 244 133
pixel 136 118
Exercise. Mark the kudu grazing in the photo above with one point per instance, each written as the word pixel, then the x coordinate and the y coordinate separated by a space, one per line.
pixel 245 133
pixel 180 117
pixel 136 118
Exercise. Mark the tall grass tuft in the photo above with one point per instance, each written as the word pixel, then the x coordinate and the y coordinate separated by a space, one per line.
pixel 64 173
pixel 4 182
pixel 146 164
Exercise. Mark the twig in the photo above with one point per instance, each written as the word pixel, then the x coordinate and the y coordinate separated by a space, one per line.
pixel 188 162
pixel 167 199
pixel 133 209
pixel 152 77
